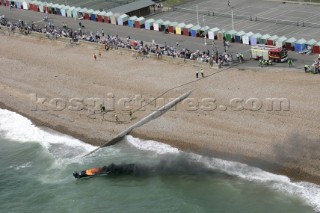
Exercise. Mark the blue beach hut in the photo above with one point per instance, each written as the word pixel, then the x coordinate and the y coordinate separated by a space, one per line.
pixel 300 45
pixel 195 31
pixel 131 21
pixel 238 36
pixel 149 24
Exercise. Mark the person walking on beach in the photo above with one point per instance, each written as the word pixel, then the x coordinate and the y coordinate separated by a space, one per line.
pixel 94 56
pixel 100 53
pixel 202 73
pixel 197 73
pixel 290 62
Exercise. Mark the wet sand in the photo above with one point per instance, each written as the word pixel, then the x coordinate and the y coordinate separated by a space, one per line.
pixel 285 142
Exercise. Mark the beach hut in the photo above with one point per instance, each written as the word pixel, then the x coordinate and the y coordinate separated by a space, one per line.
pixel 41 7
pixel 246 38
pixel 100 16
pixel 195 31
pixel 290 43
pixel 94 15
pixel 82 12
pixel 300 45
pixel 230 35
pixel 203 32
pixel 76 12
pixel 187 30
pixel 212 33
pixel 59 9
pixel 64 10
pixel 17 4
pixel 172 27
pixel 280 42
pixel 54 8
pixel 149 24
pixel 316 47
pixel 263 39
pixel 254 39
pixel 25 4
pixel 164 26
pixel 113 18
pixel 47 8
pixel 311 43
pixel 272 40
pixel 131 21
pixel 33 6
pixel 107 17
pixel 69 11
pixel 123 19
pixel 87 14
pixel 221 35
pixel 179 28
pixel 238 36
pixel 157 24
pixel 139 23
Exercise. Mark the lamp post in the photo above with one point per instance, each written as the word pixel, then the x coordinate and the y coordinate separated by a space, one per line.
pixel 197 15
pixel 232 19
pixel 205 35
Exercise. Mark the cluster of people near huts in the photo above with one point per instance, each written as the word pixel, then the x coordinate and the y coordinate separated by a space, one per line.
pixel 114 42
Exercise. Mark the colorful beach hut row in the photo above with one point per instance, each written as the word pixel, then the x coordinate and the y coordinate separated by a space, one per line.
pixel 166 26
pixel 254 39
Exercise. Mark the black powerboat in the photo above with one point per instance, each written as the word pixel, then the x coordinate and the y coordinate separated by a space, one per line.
pixel 112 169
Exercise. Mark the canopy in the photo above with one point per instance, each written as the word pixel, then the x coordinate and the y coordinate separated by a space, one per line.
pixel 311 42
pixel 265 36
pixel 273 38
pixel 189 26
pixel 240 33
pixel 280 41
pixel 291 40
pixel 301 41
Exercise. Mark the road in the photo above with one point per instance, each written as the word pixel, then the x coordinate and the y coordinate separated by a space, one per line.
pixel 147 36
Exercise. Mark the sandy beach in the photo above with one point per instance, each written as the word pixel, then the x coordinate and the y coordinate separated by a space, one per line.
pixel 282 141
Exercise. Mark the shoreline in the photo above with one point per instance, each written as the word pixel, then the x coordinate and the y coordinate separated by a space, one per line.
pixel 187 131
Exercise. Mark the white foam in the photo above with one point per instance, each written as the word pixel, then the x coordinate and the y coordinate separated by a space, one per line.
pixel 22 166
pixel 149 145
pixel 18 128
pixel 308 192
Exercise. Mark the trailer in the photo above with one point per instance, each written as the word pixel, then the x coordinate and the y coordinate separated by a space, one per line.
pixel 268 52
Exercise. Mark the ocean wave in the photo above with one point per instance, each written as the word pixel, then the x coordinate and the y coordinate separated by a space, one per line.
pixel 308 192
pixel 18 128
pixel 22 166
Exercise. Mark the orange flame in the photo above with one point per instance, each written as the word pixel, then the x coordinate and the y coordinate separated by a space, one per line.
pixel 94 171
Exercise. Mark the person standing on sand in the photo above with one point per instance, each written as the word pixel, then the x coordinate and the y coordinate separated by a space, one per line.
pixel 290 62
pixel 100 53
pixel 94 56
pixel 202 73
pixel 197 73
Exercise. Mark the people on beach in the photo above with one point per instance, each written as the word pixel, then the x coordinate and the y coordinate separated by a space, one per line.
pixel 202 73
pixel 290 62
pixel 94 56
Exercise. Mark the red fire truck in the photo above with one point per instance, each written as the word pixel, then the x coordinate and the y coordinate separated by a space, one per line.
pixel 268 52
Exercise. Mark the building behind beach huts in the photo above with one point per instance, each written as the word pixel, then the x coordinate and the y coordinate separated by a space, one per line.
pixel 137 8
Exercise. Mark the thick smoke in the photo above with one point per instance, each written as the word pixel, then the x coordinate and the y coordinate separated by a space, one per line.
pixel 174 165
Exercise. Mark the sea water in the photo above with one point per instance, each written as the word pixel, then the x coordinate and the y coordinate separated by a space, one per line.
pixel 36 167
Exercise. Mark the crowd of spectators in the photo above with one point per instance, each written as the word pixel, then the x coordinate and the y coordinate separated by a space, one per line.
pixel 115 42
